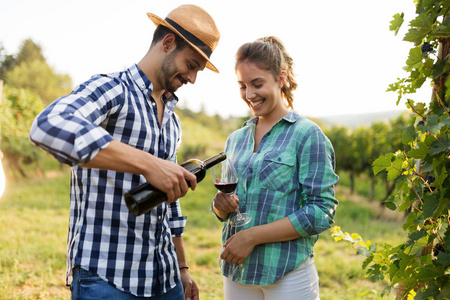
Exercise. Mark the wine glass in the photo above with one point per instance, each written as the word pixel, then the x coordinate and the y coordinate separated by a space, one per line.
pixel 225 179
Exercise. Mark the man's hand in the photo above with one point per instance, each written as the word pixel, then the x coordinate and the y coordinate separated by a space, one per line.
pixel 164 175
pixel 170 178
pixel 190 287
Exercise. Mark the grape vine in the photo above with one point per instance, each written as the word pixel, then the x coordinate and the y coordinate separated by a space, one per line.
pixel 420 266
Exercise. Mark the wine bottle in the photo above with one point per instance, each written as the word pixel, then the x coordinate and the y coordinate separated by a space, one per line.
pixel 144 197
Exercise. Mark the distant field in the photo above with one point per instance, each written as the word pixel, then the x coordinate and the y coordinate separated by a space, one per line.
pixel 34 220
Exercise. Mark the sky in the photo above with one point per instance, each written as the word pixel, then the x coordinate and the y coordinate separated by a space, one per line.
pixel 344 54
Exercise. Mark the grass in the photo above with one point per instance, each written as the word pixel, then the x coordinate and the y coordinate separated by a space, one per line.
pixel 34 220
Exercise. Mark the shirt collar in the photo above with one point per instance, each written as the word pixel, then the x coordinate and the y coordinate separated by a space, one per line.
pixel 140 79
pixel 291 117
pixel 146 86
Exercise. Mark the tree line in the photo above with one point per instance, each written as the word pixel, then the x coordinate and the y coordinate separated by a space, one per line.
pixel 30 84
pixel 356 150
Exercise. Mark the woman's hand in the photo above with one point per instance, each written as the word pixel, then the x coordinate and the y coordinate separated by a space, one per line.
pixel 238 247
pixel 226 203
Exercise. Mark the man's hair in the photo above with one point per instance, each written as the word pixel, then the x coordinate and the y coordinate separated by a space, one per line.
pixel 162 31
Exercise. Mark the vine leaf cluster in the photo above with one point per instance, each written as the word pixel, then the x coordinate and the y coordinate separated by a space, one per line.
pixel 420 266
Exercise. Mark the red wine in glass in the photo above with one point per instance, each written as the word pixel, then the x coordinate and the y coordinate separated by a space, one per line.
pixel 225 179
pixel 226 187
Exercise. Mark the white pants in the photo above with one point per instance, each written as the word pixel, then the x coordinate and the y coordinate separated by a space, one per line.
pixel 300 284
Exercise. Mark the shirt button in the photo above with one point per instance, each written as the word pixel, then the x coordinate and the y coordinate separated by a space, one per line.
pixel 153 103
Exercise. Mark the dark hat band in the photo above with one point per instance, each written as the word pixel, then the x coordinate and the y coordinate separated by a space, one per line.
pixel 191 38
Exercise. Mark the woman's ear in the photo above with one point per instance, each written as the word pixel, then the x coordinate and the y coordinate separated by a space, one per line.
pixel 283 78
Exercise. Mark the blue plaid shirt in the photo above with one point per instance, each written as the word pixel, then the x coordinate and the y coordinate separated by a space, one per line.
pixel 135 254
pixel 290 175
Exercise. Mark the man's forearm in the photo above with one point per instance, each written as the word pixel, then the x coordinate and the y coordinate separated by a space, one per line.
pixel 164 175
pixel 120 157
pixel 181 256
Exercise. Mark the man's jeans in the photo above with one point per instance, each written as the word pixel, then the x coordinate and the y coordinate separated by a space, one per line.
pixel 87 285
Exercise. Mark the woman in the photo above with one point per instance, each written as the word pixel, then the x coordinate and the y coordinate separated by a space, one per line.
pixel 286 182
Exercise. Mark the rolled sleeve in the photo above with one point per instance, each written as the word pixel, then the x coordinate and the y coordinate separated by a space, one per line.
pixel 318 178
pixel 70 128
pixel 177 222
pixel 313 220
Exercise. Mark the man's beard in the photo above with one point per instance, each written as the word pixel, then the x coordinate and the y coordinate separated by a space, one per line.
pixel 168 71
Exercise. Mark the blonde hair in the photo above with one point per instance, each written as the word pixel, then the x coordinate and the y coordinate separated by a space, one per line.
pixel 269 54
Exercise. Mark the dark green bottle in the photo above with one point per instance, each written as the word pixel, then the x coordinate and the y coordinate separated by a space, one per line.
pixel 144 197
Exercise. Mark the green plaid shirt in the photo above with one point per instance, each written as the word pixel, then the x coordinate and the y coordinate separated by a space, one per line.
pixel 291 174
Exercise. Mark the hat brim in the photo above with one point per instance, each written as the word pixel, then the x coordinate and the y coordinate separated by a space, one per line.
pixel 158 21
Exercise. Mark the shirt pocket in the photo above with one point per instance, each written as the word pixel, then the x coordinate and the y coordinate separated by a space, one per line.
pixel 277 171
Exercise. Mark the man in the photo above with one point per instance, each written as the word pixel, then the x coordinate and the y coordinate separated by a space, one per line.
pixel 118 131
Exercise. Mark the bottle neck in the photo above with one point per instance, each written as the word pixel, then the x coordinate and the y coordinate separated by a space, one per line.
pixel 214 160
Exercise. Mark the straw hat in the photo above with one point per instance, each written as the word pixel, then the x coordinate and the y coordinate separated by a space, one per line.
pixel 195 26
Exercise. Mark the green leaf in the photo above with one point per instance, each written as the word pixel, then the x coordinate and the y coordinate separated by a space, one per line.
pixel 376 272
pixel 443 30
pixel 428 3
pixel 420 27
pixel 420 107
pixel 426 70
pixel 418 82
pixel 409 135
pixel 431 203
pixel 390 205
pixel 380 164
pixel 396 22
pixel 422 22
pixel 440 173
pixel 416 235
pixel 395 170
pixel 437 147
pixel 429 272
pixel 420 152
pixel 445 120
pixel 414 59
pixel 411 221
pixel 444 203
pixel 433 124
pixel 417 247
pixel 406 261
pixel 439 68
pixel 415 36
pixel 362 251
pixel 367 261
pixel 443 259
pixel 430 292
pixel 385 163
